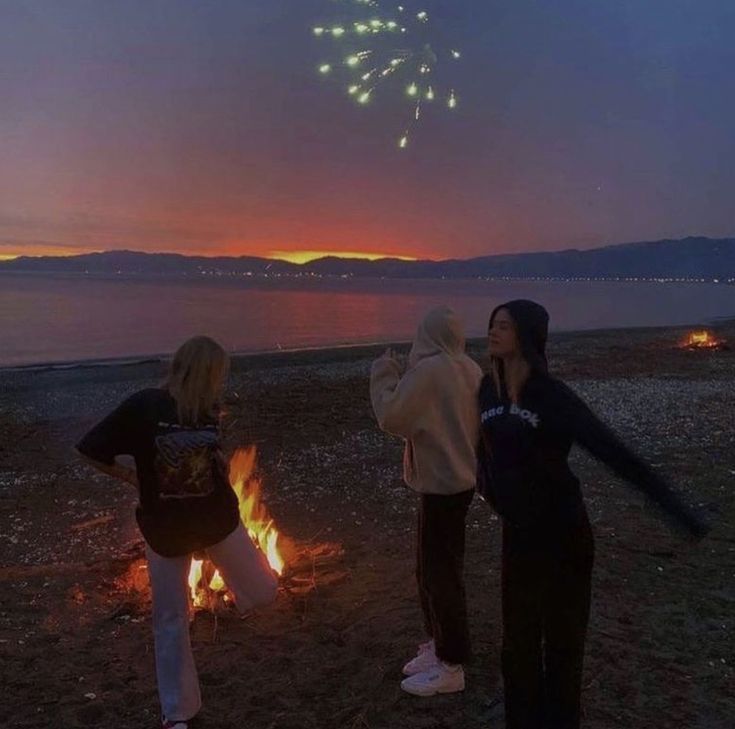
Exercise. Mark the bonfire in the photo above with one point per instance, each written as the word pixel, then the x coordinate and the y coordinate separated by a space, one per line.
pixel 703 339
pixel 208 590
pixel 299 566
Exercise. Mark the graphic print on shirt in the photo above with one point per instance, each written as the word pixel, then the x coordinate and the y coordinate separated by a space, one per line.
pixel 188 461
pixel 527 416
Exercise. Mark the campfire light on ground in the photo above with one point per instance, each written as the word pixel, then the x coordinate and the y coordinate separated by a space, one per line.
pixel 702 339
pixel 205 583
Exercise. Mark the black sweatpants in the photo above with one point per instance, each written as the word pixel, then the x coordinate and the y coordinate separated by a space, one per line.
pixel 546 604
pixel 440 573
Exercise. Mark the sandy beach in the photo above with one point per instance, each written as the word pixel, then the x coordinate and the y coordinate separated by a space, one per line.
pixel 75 635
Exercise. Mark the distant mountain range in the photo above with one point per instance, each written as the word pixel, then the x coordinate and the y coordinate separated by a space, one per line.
pixel 692 258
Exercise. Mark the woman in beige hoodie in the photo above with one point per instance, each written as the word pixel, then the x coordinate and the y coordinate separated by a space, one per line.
pixel 433 407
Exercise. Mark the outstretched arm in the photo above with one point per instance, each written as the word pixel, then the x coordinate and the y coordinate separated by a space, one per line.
pixel 597 438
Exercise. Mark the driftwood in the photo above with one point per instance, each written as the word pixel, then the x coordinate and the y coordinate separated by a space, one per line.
pixel 92 523
pixel 313 567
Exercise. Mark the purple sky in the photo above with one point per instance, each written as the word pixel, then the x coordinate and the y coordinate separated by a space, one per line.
pixel 204 127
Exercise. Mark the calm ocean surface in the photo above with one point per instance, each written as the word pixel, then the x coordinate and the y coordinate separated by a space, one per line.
pixel 45 318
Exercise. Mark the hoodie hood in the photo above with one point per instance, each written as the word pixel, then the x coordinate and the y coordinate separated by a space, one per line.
pixel 441 331
pixel 532 327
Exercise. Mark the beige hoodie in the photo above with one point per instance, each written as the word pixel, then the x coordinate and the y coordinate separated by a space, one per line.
pixel 433 406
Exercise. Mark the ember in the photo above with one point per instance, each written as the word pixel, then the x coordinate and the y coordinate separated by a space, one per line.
pixel 703 339
pixel 206 585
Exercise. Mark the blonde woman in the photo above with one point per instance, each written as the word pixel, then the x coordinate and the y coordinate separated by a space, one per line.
pixel 185 505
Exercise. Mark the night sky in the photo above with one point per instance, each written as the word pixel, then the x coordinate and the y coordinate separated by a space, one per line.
pixel 204 127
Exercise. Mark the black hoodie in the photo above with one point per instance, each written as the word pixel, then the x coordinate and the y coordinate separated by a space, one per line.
pixel 523 470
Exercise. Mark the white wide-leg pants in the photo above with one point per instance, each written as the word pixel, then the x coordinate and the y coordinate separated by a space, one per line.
pixel 245 570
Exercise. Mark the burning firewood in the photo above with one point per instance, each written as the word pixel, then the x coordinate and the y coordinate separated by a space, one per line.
pixel 703 340
pixel 208 590
pixel 296 565
pixel 302 567
pixel 313 566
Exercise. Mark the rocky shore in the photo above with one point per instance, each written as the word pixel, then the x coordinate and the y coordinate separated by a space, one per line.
pixel 74 607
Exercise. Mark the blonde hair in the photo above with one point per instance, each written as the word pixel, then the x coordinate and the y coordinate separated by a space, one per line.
pixel 195 379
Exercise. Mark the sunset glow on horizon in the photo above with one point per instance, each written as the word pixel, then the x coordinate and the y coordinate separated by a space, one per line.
pixel 294 256
pixel 306 256
pixel 205 129
pixel 10 252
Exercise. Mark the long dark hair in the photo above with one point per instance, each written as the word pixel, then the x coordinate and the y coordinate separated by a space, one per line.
pixel 531 322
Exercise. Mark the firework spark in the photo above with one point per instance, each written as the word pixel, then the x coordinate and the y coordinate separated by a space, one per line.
pixel 377 45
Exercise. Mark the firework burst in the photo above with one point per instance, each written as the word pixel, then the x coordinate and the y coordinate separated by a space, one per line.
pixel 381 47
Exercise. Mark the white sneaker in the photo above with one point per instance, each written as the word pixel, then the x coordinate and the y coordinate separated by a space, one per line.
pixel 169 724
pixel 440 679
pixel 424 661
pixel 428 646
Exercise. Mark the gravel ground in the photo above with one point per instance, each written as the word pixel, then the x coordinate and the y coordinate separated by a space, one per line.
pixel 74 614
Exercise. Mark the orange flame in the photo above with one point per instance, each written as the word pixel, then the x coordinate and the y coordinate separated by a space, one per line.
pixel 254 516
pixel 252 511
pixel 701 340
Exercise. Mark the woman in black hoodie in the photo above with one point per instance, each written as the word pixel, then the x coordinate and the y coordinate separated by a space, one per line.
pixel 529 423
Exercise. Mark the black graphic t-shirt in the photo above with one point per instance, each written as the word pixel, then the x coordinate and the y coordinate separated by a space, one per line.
pixel 186 502
pixel 523 468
